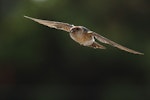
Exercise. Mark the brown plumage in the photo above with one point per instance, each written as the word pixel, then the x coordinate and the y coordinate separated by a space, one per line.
pixel 83 35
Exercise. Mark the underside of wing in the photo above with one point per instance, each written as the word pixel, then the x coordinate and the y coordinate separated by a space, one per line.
pixel 107 41
pixel 53 24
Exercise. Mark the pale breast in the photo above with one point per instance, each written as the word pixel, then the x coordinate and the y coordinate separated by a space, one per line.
pixel 84 38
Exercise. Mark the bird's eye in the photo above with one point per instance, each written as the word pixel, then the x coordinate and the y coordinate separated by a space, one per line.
pixel 77 29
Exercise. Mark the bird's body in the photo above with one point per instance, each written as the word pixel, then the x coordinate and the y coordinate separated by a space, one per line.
pixel 82 35
pixel 82 38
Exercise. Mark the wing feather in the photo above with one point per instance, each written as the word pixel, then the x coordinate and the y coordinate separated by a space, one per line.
pixel 53 24
pixel 107 41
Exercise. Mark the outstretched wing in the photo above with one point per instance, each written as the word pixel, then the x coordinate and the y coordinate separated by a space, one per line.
pixel 107 41
pixel 53 24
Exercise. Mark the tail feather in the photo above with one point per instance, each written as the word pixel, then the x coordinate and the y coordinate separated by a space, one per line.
pixel 96 45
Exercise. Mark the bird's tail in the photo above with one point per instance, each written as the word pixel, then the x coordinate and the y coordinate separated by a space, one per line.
pixel 96 45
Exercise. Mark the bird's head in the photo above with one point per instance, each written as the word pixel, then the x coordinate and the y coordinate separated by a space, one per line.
pixel 77 29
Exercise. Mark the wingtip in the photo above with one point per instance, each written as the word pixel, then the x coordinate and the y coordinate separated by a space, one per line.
pixel 27 17
pixel 34 19
pixel 139 53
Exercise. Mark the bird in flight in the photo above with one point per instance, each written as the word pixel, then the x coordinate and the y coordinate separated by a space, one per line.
pixel 82 35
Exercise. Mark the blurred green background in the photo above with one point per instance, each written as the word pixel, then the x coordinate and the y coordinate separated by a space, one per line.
pixel 39 63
